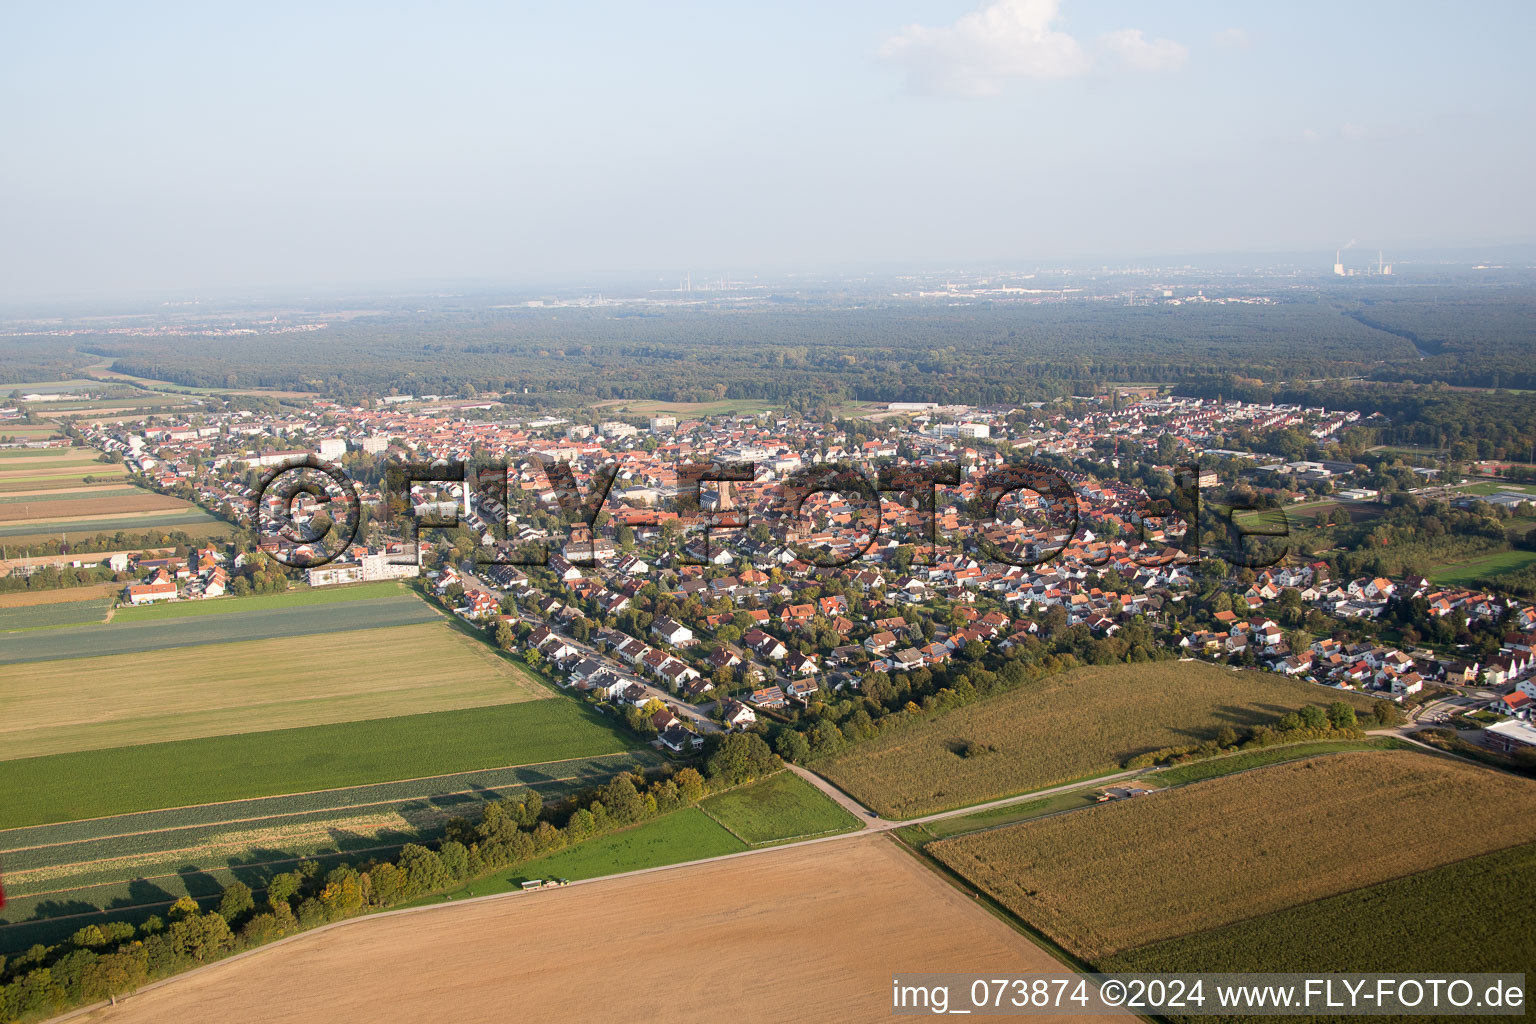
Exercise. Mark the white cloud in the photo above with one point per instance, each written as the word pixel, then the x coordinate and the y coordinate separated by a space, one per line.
pixel 1135 51
pixel 979 53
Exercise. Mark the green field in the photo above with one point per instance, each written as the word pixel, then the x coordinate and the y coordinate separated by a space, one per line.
pixel 1466 574
pixel 769 809
pixel 8 454
pixel 29 432
pixel 1474 914
pixel 261 623
pixel 687 410
pixel 1086 722
pixel 688 834
pixel 22 478
pixel 62 706
pixel 299 597
pixel 1009 814
pixel 109 490
pixel 120 780
pixel 192 521
pixel 67 482
pixel 61 455
pixel 778 809
pixel 684 835
pixel 1485 489
pixel 60 613
pixel 1227 764
pixel 122 860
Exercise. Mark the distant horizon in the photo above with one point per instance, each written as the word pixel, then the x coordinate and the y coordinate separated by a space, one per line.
pixel 338 146
pixel 1360 256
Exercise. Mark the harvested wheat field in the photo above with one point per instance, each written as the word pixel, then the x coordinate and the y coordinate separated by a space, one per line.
pixel 40 510
pixel 809 933
pixel 251 686
pixel 64 595
pixel 1188 859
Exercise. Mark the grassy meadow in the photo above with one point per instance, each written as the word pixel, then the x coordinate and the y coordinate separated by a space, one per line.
pixel 55 613
pixel 120 780
pixel 778 809
pixel 295 597
pixel 1082 723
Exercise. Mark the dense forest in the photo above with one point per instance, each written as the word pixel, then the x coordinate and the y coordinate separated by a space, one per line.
pixel 982 354
pixel 1405 358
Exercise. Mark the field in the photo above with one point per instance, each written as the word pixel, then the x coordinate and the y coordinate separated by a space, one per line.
pixel 54 873
pixel 760 938
pixel 28 432
pixel 778 809
pixel 1178 775
pixel 68 505
pixel 1127 874
pixel 683 410
pixel 261 623
pixel 1463 914
pixel 189 520
pixel 1008 814
pixel 1466 574
pixel 1086 722
pixel 253 686
pixel 46 469
pixel 1485 489
pixel 40 790
pixel 111 488
pixel 67 478
pixel 298 597
pixel 55 613
pixel 61 595
pixel 688 834
pixel 1196 771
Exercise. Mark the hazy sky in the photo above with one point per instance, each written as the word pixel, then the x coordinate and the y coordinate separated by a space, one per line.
pixel 171 147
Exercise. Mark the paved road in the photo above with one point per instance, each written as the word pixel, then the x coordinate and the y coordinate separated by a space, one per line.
pixel 874 823
pixel 697 715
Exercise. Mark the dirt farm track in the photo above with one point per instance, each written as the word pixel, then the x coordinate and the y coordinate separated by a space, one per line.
pixel 808 933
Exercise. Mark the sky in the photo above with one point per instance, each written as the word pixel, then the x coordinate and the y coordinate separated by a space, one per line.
pixel 160 148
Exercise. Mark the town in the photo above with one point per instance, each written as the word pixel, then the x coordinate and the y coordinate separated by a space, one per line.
pixel 711 609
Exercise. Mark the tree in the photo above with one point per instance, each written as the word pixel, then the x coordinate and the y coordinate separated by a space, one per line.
pixel 1387 713
pixel 200 936
pixel 1341 715
pixel 792 746
pixel 236 902
pixel 690 786
pixel 506 636
pixel 622 800
pixel 1313 717
pixel 424 869
pixel 741 757
pixel 182 909
pixel 1227 736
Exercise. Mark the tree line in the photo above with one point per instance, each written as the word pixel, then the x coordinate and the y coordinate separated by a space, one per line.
pixel 115 957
